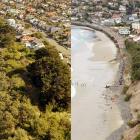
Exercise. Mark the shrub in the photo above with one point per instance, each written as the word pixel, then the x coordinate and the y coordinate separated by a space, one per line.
pixel 138 137
pixel 52 77
pixel 125 89
pixel 132 123
pixel 127 97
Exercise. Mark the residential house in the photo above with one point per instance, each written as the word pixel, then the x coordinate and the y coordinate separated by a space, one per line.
pixel 131 18
pixel 136 25
pixel 26 33
pixel 124 31
pixel 19 28
pixel 32 42
pixel 2 12
pixel 36 44
pixel 117 18
pixel 15 12
pixel 136 39
pixel 108 22
pixel 54 29
pixel 122 8
pixel 27 38
pixel 11 22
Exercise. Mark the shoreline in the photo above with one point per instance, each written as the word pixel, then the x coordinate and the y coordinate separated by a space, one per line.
pixel 118 41
pixel 94 67
pixel 122 105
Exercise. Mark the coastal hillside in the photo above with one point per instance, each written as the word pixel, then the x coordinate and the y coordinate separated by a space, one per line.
pixel 34 90
pixel 132 91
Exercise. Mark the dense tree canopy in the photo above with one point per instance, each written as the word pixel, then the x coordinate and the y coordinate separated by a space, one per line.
pixel 52 77
pixel 7 34
pixel 24 74
pixel 19 120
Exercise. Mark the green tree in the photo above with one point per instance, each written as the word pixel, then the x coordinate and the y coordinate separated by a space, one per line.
pixel 7 34
pixel 19 118
pixel 53 78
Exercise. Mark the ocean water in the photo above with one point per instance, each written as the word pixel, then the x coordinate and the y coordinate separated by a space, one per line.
pixel 78 44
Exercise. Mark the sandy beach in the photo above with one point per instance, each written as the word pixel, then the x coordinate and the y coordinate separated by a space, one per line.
pixel 95 111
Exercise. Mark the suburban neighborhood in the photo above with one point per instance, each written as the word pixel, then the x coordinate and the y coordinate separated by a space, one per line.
pixel 121 16
pixel 34 20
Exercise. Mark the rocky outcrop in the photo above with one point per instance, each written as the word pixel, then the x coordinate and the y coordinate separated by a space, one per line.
pixel 131 134
pixel 134 90
pixel 135 100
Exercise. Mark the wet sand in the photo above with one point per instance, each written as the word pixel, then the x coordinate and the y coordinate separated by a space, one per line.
pixel 95 111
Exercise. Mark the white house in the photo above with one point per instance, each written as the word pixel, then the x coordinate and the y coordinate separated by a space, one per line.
pixel 124 31
pixel 13 11
pixel 118 20
pixel 136 25
pixel 11 22
pixel 19 1
pixel 2 12
pixel 5 1
pixel 34 44
pixel 136 39
pixel 131 18
pixel 122 8
pixel 108 22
